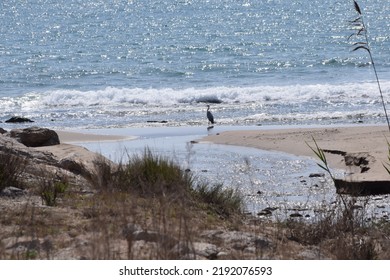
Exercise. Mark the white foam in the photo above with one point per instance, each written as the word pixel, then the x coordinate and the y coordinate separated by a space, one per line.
pixel 349 93
pixel 258 103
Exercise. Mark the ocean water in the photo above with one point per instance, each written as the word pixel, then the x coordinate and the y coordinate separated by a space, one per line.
pixel 137 63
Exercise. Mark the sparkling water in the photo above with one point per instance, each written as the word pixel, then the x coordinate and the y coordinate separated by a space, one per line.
pixel 135 63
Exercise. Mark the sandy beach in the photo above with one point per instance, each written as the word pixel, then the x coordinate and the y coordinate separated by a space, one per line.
pixel 367 144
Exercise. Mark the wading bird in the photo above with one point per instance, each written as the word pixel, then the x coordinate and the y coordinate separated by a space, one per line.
pixel 210 115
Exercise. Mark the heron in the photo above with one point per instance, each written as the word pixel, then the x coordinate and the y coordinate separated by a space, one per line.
pixel 210 115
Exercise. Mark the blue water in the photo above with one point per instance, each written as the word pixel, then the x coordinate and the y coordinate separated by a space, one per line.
pixel 131 63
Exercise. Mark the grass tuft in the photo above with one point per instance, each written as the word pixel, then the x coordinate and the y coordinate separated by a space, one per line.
pixel 223 201
pixel 150 174
pixel 11 168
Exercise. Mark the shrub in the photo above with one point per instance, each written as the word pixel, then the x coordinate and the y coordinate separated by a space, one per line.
pixel 51 190
pixel 153 175
pixel 224 201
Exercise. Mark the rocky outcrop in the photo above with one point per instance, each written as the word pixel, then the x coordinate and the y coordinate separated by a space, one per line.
pixel 35 136
pixel 29 145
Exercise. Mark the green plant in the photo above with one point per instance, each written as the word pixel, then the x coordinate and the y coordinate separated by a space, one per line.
pixel 51 190
pixel 224 201
pixel 321 155
pixel 361 31
pixel 150 174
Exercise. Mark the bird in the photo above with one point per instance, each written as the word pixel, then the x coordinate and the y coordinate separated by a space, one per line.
pixel 210 115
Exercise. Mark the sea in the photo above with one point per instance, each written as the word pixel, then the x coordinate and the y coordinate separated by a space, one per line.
pixel 136 63
pixel 150 68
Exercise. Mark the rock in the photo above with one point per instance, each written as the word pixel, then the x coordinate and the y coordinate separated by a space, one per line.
pixel 12 192
pixel 316 175
pixel 296 215
pixel 261 243
pixel 2 131
pixel 197 251
pixel 238 240
pixel 264 213
pixel 133 234
pixel 311 253
pixel 72 164
pixel 157 121
pixel 35 136
pixel 18 120
pixel 267 211
pixel 206 250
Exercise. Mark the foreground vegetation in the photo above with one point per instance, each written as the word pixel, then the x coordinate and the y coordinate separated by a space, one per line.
pixel 149 208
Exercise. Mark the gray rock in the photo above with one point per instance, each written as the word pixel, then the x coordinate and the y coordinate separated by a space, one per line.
pixel 206 250
pixel 18 120
pixel 72 164
pixel 238 240
pixel 296 215
pixel 78 164
pixel 316 175
pixel 35 136
pixel 12 192
pixel 133 234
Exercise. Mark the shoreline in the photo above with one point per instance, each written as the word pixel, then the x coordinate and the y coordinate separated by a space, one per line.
pixel 361 151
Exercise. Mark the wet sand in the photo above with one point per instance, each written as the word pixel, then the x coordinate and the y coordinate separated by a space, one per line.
pixel 359 150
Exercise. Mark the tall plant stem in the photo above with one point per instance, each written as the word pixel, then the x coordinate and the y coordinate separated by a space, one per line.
pixel 366 47
pixel 377 78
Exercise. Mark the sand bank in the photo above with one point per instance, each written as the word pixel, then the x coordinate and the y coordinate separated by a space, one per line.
pixel 359 150
pixel 72 137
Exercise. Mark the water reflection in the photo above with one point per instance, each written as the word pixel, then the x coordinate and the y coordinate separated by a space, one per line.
pixel 275 185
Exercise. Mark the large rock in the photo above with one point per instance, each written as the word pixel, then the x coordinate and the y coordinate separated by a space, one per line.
pixel 35 136
pixel 74 161
pixel 18 120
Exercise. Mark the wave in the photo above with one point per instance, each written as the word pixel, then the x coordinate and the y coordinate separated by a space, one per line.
pixel 113 106
pixel 366 92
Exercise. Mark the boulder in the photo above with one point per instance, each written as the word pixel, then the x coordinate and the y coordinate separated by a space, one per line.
pixel 12 192
pixel 18 120
pixel 72 161
pixel 35 136
pixel 2 131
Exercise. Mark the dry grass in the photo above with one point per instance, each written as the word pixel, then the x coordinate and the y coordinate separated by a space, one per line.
pixel 11 168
